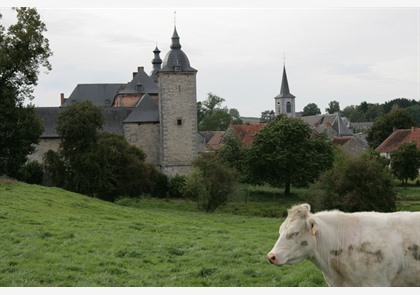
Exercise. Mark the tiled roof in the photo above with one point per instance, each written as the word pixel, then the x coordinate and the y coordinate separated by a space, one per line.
pixel 246 132
pixel 214 142
pixel 98 94
pixel 398 137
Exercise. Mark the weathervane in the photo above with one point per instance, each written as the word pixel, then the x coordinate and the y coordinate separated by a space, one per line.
pixel 284 57
pixel 174 18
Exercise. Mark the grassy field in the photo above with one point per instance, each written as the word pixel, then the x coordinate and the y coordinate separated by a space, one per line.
pixel 52 237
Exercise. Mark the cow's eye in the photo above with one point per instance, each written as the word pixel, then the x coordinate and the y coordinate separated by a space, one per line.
pixel 292 235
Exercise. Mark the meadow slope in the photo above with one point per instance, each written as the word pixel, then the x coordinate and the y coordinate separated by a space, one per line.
pixel 52 237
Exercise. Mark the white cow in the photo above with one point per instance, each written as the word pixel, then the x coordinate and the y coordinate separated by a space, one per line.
pixel 353 249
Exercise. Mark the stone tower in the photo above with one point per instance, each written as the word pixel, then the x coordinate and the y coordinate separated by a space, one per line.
pixel 177 111
pixel 285 101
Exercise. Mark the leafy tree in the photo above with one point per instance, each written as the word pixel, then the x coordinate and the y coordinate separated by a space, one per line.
pixel 32 172
pixel 232 151
pixel 212 116
pixel 356 184
pixel 333 107
pixel 353 114
pixel 311 109
pixel 414 111
pixel 23 50
pixel 97 164
pixel 287 152
pixel 210 183
pixel 384 126
pixel 405 162
pixel 219 120
pixel 176 186
pixel 398 103
pixel 267 116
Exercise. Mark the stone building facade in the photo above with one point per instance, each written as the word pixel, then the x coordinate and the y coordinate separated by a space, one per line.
pixel 156 112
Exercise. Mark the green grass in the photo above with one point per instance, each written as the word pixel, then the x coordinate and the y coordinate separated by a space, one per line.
pixel 51 237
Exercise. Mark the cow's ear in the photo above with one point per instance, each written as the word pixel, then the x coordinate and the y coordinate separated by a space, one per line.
pixel 312 225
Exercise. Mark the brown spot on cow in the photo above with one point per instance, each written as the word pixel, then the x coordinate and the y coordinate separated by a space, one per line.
pixel 336 252
pixel 372 256
pixel 304 243
pixel 415 251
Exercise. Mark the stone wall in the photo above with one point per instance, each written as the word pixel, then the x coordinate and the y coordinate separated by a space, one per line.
pixel 178 117
pixel 145 136
pixel 44 145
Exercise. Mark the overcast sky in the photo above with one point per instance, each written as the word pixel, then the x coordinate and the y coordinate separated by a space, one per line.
pixel 347 54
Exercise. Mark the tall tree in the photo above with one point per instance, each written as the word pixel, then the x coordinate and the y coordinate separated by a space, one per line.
pixel 311 109
pixel 333 107
pixel 23 50
pixel 212 116
pixel 287 152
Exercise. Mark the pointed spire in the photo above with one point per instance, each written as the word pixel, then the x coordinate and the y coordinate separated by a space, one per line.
pixel 175 40
pixel 284 90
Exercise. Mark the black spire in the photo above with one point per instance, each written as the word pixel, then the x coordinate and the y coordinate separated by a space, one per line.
pixel 284 90
pixel 175 40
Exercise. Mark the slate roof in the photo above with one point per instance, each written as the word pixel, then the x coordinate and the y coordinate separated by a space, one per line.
pixel 330 123
pixel 399 137
pixel 113 118
pixel 49 116
pixel 141 83
pixel 176 59
pixel 147 110
pixel 284 89
pixel 98 94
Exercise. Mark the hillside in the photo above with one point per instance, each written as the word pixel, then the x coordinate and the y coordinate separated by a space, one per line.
pixel 52 237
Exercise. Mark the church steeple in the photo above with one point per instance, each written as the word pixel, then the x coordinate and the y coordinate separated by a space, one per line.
pixel 285 101
pixel 175 40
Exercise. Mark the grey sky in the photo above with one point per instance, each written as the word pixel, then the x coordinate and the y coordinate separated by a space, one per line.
pixel 332 53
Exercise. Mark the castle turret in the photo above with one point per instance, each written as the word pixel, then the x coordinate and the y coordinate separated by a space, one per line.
pixel 178 111
pixel 285 101
pixel 157 62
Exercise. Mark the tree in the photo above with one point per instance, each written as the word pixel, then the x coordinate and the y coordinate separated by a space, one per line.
pixel 356 184
pixel 267 116
pixel 287 152
pixel 23 50
pixel 405 162
pixel 212 116
pixel 97 164
pixel 232 151
pixel 384 126
pixel 333 107
pixel 311 109
pixel 210 182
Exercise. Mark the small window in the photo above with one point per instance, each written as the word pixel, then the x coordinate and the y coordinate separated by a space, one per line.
pixel 179 122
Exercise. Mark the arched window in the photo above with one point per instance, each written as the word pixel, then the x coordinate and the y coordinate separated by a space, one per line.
pixel 288 107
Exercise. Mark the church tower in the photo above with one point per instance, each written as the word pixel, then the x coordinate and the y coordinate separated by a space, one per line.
pixel 285 101
pixel 177 111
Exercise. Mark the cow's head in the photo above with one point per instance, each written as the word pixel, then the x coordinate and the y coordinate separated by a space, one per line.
pixel 297 237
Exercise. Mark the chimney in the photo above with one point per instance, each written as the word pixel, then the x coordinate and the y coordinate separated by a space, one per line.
pixel 62 99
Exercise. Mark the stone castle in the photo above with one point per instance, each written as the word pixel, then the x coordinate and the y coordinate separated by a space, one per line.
pixel 156 112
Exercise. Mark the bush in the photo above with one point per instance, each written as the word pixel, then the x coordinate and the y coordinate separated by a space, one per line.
pixel 210 182
pixel 161 186
pixel 176 186
pixel 32 172
pixel 356 184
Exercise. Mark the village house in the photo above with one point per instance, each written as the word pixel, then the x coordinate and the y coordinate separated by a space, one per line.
pixel 397 138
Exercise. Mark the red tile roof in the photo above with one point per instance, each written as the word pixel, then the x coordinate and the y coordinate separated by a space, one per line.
pixel 397 138
pixel 246 132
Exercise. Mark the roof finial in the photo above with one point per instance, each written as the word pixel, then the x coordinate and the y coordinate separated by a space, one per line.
pixel 174 18
pixel 284 58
